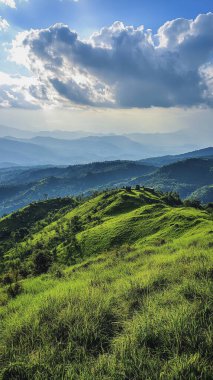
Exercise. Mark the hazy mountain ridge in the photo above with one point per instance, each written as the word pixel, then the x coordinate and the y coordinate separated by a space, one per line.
pixel 46 150
pixel 64 147
pixel 169 159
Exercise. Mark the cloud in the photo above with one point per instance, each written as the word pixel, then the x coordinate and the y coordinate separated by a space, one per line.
pixel 123 66
pixel 17 91
pixel 13 3
pixel 3 24
pixel 9 3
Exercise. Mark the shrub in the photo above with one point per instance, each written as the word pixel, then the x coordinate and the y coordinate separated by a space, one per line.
pixel 41 262
pixel 14 290
pixel 56 271
pixel 192 203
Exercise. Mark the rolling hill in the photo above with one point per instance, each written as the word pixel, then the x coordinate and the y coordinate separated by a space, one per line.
pixel 184 177
pixel 116 286
pixel 21 186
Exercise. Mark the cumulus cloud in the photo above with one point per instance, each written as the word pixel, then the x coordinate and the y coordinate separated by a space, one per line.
pixel 122 66
pixel 3 24
pixel 16 91
pixel 9 3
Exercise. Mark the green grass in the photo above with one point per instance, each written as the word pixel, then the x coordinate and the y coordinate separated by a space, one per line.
pixel 112 219
pixel 137 306
pixel 127 314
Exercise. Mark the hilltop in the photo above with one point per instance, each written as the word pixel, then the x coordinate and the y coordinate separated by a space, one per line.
pixel 116 286
pixel 103 222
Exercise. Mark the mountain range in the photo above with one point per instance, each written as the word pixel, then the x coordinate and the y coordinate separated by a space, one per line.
pixel 20 147
pixel 191 175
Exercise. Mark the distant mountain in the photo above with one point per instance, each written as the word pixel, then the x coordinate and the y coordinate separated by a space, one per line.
pixel 4 165
pixel 47 150
pixel 80 147
pixel 6 131
pixel 25 153
pixel 180 141
pixel 165 160
pixel 20 187
pixel 184 177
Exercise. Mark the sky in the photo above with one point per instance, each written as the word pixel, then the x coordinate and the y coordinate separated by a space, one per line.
pixel 106 65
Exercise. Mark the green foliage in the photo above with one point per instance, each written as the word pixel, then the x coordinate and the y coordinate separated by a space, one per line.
pixel 14 289
pixel 136 304
pixel 192 203
pixel 41 262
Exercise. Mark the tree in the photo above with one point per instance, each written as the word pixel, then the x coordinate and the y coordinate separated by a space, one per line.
pixel 192 203
pixel 41 262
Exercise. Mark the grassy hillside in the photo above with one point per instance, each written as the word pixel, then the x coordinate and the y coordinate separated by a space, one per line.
pixel 127 294
pixel 21 224
pixel 104 222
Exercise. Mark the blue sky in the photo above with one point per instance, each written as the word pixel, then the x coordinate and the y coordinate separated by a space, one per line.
pixel 88 15
pixel 167 64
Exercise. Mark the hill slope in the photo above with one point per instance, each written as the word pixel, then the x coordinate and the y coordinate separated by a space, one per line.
pixel 184 177
pixel 136 304
pixel 103 222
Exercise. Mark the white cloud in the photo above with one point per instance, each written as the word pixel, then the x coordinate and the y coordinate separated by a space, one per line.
pixel 15 91
pixel 3 24
pixel 122 66
pixel 9 3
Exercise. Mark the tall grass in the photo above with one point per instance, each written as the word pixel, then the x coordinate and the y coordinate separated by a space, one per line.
pixel 131 313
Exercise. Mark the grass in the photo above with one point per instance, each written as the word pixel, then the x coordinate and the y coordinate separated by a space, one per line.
pixel 112 219
pixel 127 314
pixel 141 309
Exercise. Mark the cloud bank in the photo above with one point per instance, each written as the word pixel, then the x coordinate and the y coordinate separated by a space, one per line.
pixel 121 66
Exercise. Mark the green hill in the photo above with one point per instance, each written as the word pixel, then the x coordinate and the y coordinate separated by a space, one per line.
pixel 117 286
pixel 184 177
pixel 204 193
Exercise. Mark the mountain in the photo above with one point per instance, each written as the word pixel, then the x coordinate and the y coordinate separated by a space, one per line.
pixel 19 187
pixel 165 160
pixel 6 131
pixel 67 147
pixel 116 286
pixel 94 148
pixel 178 141
pixel 25 153
pixel 184 177
pixel 46 150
